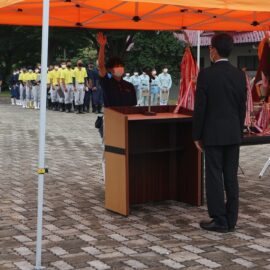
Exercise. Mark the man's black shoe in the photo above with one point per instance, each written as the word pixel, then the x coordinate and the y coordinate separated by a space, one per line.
pixel 213 226
pixel 231 229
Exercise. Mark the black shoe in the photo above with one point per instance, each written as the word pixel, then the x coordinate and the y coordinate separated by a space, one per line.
pixel 81 109
pixel 213 226
pixel 231 229
pixel 62 107
pixel 70 107
pixel 67 108
pixel 99 107
pixel 77 109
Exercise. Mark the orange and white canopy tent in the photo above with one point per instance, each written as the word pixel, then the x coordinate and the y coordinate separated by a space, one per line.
pixel 143 15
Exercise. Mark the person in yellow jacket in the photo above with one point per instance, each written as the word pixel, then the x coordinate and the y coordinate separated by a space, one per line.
pixel 22 80
pixel 68 84
pixel 30 79
pixel 55 86
pixel 49 89
pixel 36 89
pixel 80 75
pixel 61 91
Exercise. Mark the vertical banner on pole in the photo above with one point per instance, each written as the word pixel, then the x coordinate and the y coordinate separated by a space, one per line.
pixel 42 129
pixel 198 48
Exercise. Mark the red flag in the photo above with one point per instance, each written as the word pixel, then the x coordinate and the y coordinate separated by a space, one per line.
pixel 249 104
pixel 262 79
pixel 264 117
pixel 189 73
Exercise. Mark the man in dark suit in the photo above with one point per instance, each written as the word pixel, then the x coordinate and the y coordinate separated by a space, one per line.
pixel 218 121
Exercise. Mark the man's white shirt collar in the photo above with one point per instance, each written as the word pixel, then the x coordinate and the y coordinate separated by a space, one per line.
pixel 222 60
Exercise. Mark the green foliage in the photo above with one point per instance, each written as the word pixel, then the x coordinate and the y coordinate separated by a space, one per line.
pixel 153 49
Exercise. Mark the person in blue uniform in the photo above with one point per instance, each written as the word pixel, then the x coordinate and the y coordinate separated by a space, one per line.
pixel 96 94
pixel 88 91
pixel 14 88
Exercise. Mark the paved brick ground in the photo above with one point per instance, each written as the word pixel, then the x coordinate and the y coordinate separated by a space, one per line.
pixel 80 234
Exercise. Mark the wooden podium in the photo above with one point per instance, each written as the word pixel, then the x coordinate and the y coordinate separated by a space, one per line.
pixel 150 158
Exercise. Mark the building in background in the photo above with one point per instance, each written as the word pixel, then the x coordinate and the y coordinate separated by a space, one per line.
pixel 245 53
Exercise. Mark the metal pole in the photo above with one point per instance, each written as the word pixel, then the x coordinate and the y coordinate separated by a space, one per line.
pixel 42 128
pixel 198 48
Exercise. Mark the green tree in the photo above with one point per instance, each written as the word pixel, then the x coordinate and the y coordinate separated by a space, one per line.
pixel 18 45
pixel 152 49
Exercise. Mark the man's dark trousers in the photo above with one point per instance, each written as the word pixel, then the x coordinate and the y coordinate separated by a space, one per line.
pixel 87 99
pixel 221 165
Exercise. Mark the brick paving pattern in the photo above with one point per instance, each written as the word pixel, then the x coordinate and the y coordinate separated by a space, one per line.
pixel 80 234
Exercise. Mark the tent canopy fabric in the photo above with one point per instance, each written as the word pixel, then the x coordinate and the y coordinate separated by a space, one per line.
pixel 248 5
pixel 117 14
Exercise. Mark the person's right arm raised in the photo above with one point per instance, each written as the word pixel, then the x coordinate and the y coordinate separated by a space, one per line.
pixel 102 40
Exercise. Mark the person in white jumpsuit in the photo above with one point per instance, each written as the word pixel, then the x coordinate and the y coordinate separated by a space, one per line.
pixel 144 89
pixel 135 80
pixel 165 86
pixel 127 77
pixel 154 87
pixel 36 89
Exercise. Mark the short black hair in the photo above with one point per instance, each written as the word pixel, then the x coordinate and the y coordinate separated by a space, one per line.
pixel 146 69
pixel 114 61
pixel 223 43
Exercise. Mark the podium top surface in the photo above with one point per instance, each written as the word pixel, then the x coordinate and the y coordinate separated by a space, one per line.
pixel 158 116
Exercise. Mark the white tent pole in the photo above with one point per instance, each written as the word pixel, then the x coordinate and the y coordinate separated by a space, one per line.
pixel 198 48
pixel 42 127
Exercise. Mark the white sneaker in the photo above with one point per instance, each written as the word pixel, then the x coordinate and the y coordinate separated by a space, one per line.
pixel 12 101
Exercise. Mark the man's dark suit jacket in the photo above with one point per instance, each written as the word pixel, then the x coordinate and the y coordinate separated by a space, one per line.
pixel 220 105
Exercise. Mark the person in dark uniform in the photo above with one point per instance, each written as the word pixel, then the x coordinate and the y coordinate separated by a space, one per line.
pixel 95 95
pixel 116 91
pixel 88 91
pixel 96 90
pixel 14 88
pixel 218 122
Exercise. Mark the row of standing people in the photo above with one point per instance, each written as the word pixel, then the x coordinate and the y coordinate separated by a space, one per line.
pixel 75 88
pixel 68 88
pixel 24 87
pixel 151 84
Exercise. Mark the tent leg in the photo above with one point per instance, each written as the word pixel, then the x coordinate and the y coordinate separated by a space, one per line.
pixel 42 129
pixel 39 222
pixel 266 165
